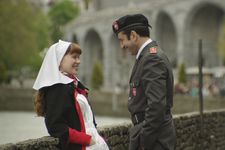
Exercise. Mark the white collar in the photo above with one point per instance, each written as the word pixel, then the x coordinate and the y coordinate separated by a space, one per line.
pixel 49 73
pixel 142 47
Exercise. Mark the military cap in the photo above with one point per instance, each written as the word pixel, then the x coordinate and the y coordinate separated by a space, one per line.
pixel 129 21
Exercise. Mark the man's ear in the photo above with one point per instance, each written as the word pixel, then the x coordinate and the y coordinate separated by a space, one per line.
pixel 133 35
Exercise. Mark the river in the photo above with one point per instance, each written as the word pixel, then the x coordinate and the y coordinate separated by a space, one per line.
pixel 19 126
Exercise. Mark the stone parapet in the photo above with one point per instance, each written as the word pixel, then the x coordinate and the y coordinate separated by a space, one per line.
pixel 117 137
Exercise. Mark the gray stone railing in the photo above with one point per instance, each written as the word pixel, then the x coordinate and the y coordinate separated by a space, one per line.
pixel 187 129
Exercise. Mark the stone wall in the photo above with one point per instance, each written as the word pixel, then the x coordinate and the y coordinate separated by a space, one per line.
pixel 187 128
pixel 188 131
pixel 16 99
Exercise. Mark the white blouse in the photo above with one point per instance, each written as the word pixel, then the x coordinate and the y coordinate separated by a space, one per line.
pixel 89 125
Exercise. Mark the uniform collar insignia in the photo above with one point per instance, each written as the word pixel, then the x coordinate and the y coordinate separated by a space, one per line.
pixel 153 50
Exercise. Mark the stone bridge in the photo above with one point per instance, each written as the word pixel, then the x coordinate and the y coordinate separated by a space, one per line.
pixel 188 128
pixel 177 26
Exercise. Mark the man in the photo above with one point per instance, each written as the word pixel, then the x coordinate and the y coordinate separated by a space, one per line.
pixel 151 86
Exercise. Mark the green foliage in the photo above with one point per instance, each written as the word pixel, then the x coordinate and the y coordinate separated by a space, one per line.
pixel 60 14
pixel 36 63
pixel 221 43
pixel 182 74
pixel 41 28
pixel 24 32
pixel 97 76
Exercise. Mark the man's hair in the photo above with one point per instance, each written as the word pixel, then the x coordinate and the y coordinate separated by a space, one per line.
pixel 140 30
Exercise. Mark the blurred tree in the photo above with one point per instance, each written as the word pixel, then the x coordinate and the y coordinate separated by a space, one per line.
pixel 97 76
pixel 182 74
pixel 24 32
pixel 221 43
pixel 60 14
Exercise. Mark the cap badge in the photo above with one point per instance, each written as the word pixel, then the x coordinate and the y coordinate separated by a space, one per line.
pixel 153 50
pixel 115 25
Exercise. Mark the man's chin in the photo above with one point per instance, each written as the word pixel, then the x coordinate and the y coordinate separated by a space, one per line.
pixel 133 54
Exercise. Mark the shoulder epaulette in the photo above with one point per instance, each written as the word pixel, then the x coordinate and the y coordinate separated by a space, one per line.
pixel 153 50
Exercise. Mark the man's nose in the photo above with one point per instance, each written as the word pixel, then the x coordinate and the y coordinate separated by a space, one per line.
pixel 122 45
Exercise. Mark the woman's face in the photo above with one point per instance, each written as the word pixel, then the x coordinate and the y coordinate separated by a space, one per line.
pixel 70 63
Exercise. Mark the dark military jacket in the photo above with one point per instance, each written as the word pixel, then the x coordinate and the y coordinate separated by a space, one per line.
pixel 150 100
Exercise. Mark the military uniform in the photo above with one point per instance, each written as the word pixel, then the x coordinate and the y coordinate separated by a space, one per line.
pixel 150 101
pixel 151 88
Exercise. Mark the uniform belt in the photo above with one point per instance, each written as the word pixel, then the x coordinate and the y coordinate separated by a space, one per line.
pixel 138 118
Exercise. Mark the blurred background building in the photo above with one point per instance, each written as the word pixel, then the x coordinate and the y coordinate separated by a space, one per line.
pixel 177 27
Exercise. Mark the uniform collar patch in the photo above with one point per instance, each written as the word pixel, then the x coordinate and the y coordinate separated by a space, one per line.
pixel 153 50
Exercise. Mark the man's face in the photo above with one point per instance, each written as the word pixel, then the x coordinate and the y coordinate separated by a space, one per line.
pixel 128 45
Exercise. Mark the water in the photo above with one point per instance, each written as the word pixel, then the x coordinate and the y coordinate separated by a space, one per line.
pixel 20 126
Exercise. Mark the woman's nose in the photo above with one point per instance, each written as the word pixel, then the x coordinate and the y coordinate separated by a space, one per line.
pixel 77 60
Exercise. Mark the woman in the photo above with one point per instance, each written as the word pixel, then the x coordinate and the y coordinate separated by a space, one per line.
pixel 62 99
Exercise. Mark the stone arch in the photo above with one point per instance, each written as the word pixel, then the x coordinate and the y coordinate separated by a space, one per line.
pixel 166 36
pixel 204 22
pixel 92 53
pixel 121 64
